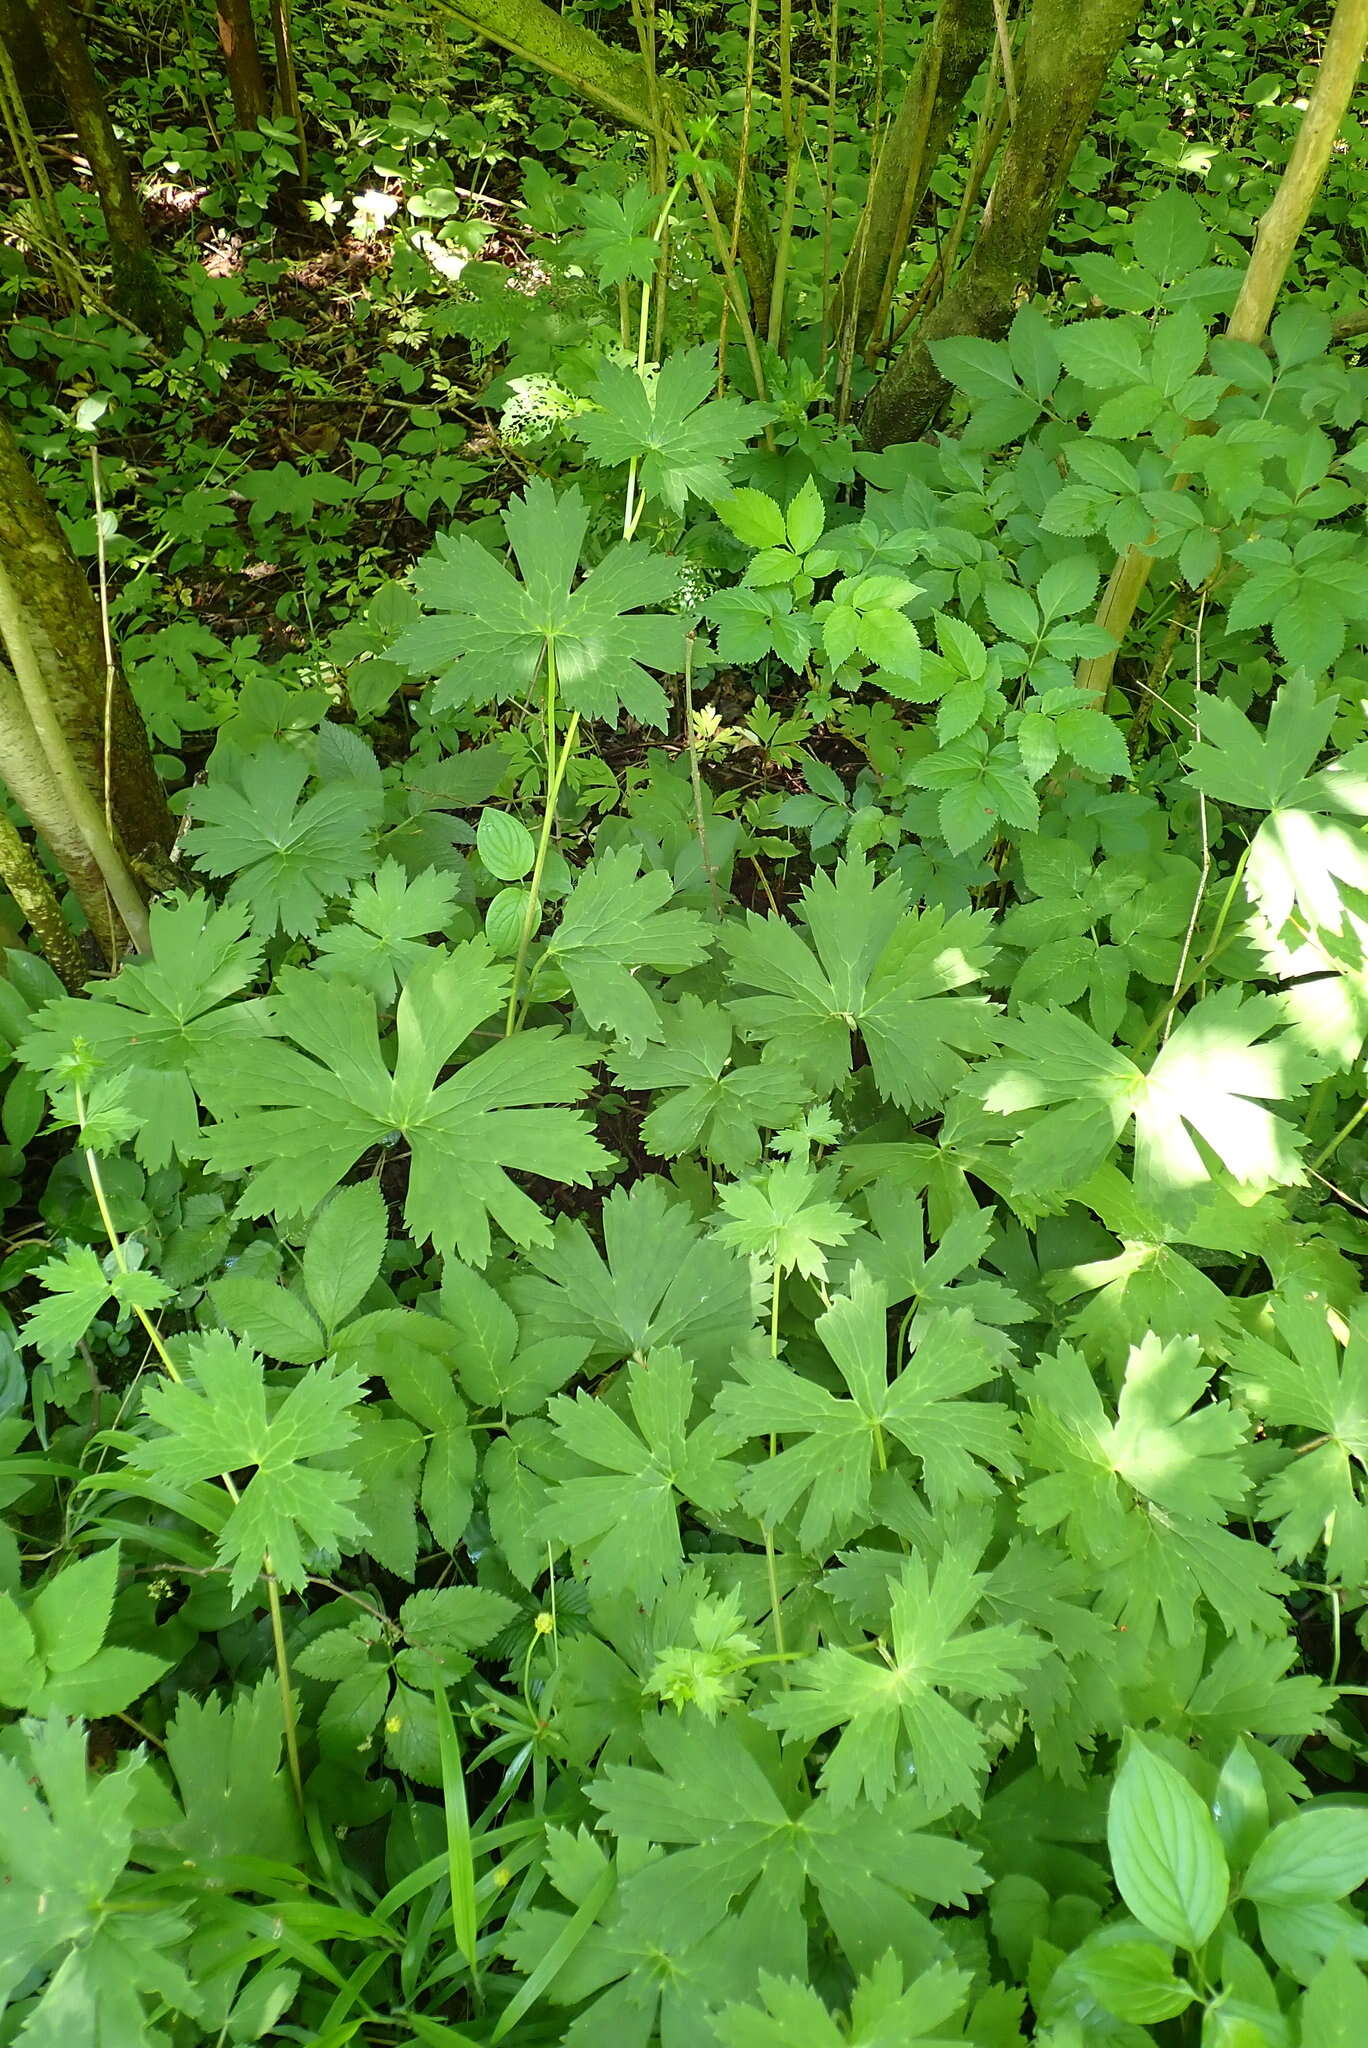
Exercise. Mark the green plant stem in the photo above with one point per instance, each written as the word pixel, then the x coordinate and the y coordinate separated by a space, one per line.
pixel 1209 952
pixel 696 780
pixel 531 914
pixel 771 1563
pixel 1328 1151
pixel 786 123
pixel 775 332
pixel 283 1680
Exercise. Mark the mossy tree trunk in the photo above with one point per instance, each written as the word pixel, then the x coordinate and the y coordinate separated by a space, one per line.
pixel 242 61
pixel 952 51
pixel 1070 46
pixel 36 79
pixel 139 291
pixel 63 640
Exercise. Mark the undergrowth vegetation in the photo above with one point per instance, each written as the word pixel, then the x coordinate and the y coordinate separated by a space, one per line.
pixel 687 1361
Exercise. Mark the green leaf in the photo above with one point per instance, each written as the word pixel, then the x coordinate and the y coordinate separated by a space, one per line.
pixel 505 845
pixel 78 1290
pixel 1210 1081
pixel 805 518
pixel 231 1779
pixel 1169 236
pixel 934 1659
pixel 1320 1854
pixel 882 2012
pixel 221 1423
pixel 782 1215
pixel 1315 1498
pixel 167 1023
pixel 682 435
pixel 455 1618
pixel 614 923
pixel 1135 1980
pixel 498 1366
pixel 839 1440
pixel 20 1670
pixel 343 1251
pixel 980 369
pixel 389 918
pixel 659 1281
pixel 754 518
pixel 447 1492
pixel 1170 1446
pixel 1240 1807
pixel 621 1522
pixel 288 858
pixel 1166 1854
pixel 516 1491
pixel 70 1615
pixel 384 1459
pixel 1103 353
pixel 1334 2012
pixel 1094 741
pixel 733 1818
pixel 1077 509
pixel 486 633
pixel 269 1318
pixel 1219 1067
pixel 301 1115
pixel 871 964
pixel 710 1103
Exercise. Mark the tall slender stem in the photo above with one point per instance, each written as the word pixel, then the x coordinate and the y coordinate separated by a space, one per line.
pixel 531 915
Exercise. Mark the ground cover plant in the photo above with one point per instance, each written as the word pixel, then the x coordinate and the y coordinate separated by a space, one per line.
pixel 684 1355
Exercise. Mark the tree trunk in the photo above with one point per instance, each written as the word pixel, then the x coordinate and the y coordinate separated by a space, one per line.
pixel 139 291
pixel 616 84
pixel 1069 48
pixel 951 53
pixel 64 633
pixel 242 61
pixel 37 81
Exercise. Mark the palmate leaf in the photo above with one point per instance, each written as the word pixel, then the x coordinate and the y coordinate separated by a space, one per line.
pixel 79 1287
pixel 486 634
pixel 1143 1497
pixel 388 922
pixel 883 2013
pixel 1211 1082
pixel 737 1826
pixel 621 1524
pixel 1320 1494
pixel 613 923
pixel 166 1025
pixel 871 964
pixel 221 1423
pixel 66 1835
pixel 682 436
pixel 783 1216
pixel 708 1103
pixel 658 1281
pixel 230 1776
pixel 831 1463
pixel 298 1116
pixel 880 1706
pixel 287 858
pixel 1307 855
